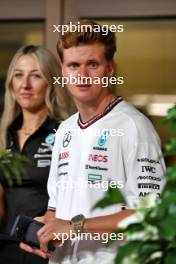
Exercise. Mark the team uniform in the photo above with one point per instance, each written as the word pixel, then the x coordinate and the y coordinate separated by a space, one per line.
pixel 119 146
pixel 30 197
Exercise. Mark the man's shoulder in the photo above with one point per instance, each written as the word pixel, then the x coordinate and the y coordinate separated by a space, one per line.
pixel 130 113
pixel 136 122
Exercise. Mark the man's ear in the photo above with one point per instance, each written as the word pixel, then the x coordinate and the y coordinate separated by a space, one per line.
pixel 110 67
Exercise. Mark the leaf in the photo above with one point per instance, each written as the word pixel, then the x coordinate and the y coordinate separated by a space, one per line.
pixel 12 164
pixel 160 212
pixel 171 172
pixel 126 250
pixel 170 147
pixel 112 196
pixel 172 128
pixel 168 198
pixel 171 118
pixel 167 227
pixel 147 249
pixel 133 228
pixel 18 173
pixel 170 258
pixel 171 113
pixel 6 173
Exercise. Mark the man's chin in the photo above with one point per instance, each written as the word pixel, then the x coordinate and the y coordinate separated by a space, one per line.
pixel 83 99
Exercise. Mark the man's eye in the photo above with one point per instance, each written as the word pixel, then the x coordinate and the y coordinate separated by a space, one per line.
pixel 93 65
pixel 74 66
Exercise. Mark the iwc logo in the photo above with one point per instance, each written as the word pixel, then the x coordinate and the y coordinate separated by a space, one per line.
pixel 103 138
pixel 67 139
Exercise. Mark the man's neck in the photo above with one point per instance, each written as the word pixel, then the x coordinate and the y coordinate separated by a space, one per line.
pixel 90 110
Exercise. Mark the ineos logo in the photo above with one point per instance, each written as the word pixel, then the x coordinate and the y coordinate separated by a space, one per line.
pixel 67 139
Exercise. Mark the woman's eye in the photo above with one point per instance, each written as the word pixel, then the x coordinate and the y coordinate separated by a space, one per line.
pixel 17 75
pixel 36 76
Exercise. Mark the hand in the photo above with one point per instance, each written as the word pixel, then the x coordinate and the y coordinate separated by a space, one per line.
pixel 40 219
pixel 54 228
pixel 35 251
pixel 45 218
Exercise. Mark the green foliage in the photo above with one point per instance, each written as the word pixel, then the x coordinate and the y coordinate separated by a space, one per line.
pixel 12 163
pixel 152 239
pixel 112 196
pixel 171 119
pixel 170 148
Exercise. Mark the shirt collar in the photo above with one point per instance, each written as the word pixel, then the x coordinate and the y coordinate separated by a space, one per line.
pixel 48 124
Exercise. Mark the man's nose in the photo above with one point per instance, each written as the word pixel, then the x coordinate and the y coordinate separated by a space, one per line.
pixel 83 71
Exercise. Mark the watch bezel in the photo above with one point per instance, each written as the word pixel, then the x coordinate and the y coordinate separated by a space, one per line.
pixel 78 223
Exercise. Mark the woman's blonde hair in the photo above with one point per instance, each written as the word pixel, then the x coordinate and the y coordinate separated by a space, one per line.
pixel 56 97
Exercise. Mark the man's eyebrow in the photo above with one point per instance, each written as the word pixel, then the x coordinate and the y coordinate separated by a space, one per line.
pixel 76 62
pixel 73 62
pixel 92 60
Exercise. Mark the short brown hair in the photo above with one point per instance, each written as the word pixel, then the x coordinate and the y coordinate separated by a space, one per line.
pixel 88 36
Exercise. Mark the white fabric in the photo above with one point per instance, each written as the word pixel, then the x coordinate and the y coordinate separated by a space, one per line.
pixel 130 155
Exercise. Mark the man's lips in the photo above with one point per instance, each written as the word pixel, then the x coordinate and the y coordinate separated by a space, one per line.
pixel 83 87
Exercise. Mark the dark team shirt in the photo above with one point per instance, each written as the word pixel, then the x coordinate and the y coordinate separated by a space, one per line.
pixel 31 197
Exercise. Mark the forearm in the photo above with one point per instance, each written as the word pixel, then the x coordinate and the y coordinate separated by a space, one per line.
pixel 107 223
pixel 55 228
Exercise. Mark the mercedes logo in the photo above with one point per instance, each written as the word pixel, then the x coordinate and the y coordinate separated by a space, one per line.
pixel 67 139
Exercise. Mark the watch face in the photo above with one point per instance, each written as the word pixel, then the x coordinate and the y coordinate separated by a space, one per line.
pixel 78 217
pixel 78 223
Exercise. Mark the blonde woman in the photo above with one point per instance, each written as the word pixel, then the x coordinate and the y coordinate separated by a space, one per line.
pixel 33 108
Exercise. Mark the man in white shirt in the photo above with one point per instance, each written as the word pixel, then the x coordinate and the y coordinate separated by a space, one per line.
pixel 108 140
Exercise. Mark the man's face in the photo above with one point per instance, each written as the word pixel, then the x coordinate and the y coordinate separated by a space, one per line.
pixel 88 61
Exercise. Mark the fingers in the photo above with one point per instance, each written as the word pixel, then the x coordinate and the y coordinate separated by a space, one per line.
pixel 35 251
pixel 41 231
pixel 44 235
pixel 26 247
pixel 41 254
pixel 48 231
pixel 40 219
pixel 44 243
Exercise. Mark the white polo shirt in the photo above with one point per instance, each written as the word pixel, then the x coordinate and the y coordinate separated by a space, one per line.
pixel 119 146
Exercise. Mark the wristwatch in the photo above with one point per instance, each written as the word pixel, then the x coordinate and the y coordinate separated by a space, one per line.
pixel 77 223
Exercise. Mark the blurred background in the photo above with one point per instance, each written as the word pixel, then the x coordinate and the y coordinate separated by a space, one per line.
pixel 146 50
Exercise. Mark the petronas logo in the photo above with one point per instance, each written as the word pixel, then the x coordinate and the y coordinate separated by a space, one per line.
pixel 103 138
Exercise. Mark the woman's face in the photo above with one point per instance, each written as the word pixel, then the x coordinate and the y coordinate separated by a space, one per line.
pixel 28 84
